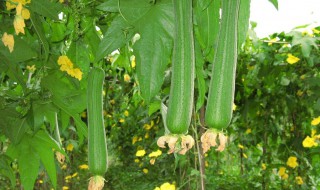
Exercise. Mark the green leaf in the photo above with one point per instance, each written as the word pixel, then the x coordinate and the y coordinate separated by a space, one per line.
pixel 154 106
pixel 41 111
pixel 66 90
pixel 13 124
pixel 44 139
pixel 44 145
pixel 275 3
pixel 203 4
pixel 133 10
pixel 6 170
pixel 78 54
pixel 243 21
pixel 36 21
pixel 153 49
pixel 207 27
pixel 13 71
pixel 117 35
pixel 22 51
pixel 91 36
pixel 59 31
pixel 201 83
pixel 46 8
pixel 305 41
pixel 29 163
pixel 109 6
pixel 284 81
pixel 81 126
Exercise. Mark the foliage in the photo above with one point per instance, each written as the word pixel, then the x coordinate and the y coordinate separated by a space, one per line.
pixel 43 100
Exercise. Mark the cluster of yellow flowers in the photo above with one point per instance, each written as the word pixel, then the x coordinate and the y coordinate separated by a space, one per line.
pixel 309 142
pixel 66 65
pixel 166 186
pixel 153 155
pixel 292 163
pixel 22 14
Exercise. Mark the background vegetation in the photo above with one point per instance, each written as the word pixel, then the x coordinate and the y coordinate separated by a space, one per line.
pixel 272 141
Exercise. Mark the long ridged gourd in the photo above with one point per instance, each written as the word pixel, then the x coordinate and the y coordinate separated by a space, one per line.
pixel 97 147
pixel 183 63
pixel 221 90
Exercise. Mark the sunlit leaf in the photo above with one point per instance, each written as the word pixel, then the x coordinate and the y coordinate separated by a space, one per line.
pixel 117 35
pixel 275 3
pixel 153 49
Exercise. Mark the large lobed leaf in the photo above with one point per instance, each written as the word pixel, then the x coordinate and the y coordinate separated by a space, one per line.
pixel 153 49
pixel 154 22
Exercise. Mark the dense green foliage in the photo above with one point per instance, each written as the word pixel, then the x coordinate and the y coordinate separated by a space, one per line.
pixel 43 91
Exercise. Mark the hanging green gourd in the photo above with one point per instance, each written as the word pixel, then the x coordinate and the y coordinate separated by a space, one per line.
pixel 97 147
pixel 182 81
pixel 221 90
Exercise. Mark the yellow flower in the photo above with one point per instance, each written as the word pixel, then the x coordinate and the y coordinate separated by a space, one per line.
pixel 31 69
pixel 285 176
pixel 240 146
pixel 68 177
pixel 140 153
pixel 292 162
pixel 299 93
pixel 121 120
pixel 40 181
pixel 133 62
pixel 8 40
pixel 61 1
pixel 64 60
pixel 273 40
pixel 60 157
pixel 313 132
pixel 248 131
pixel 25 13
pixel 315 31
pixel 126 78
pixel 234 107
pixel 145 170
pixel 67 65
pixel 147 126
pixel 244 155
pixel 157 188
pixel 134 139
pixel 152 161
pixel 309 142
pixel 315 121
pixel 65 188
pixel 146 136
pixel 299 180
pixel 292 59
pixel 19 24
pixel 84 114
pixel 64 166
pixel 155 153
pixel 77 73
pixel 263 166
pixel 74 175
pixel 70 147
pixel 167 186
pixel 84 167
pixel 136 160
pixel 126 113
pixel 282 171
pixel 11 4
